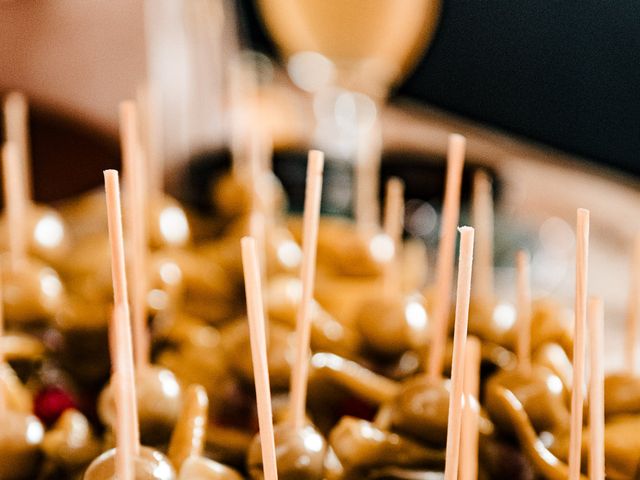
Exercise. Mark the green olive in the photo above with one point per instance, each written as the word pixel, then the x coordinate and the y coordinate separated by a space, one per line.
pixel 281 344
pixel 421 409
pixel 159 400
pixel 48 234
pixel 391 325
pixel 71 443
pixel 33 293
pixel 299 454
pixel 622 394
pixel 545 462
pixel 361 446
pixel 199 468
pixel 539 391
pixel 83 328
pixel 149 465
pixel 283 296
pixel 205 291
pixel 20 439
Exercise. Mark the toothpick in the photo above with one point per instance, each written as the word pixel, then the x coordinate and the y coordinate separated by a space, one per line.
pixel 471 412
pixel 633 310
pixel 577 394
pixel 446 254
pixel 242 89
pixel 311 220
pixel 367 173
pixel 596 389
pixel 124 382
pixel 482 210
pixel 135 174
pixel 393 225
pixel 3 399
pixel 258 220
pixel 255 312
pixel 16 128
pixel 523 341
pixel 15 201
pixel 454 424
pixel 150 117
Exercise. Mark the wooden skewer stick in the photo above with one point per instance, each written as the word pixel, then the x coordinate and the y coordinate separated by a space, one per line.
pixel 135 173
pixel 150 118
pixel 482 209
pixel 311 221
pixel 16 128
pixel 523 346
pixel 123 381
pixel 459 347
pixel 393 225
pixel 446 254
pixel 471 413
pixel 125 394
pixel 259 218
pixel 577 394
pixel 633 310
pixel 596 389
pixel 3 399
pixel 367 208
pixel 16 203
pixel 255 312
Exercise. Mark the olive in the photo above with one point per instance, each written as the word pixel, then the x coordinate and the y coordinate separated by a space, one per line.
pixel 20 439
pixel 33 293
pixel 149 465
pixel 48 234
pixel 393 324
pixel 299 453
pixel 159 399
pixel 71 443
pixel 539 391
pixel 199 468
pixel 361 446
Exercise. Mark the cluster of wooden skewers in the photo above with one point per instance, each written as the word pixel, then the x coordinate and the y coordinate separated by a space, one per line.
pixel 347 359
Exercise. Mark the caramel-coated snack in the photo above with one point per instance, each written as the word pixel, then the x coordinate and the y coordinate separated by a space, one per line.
pixel 20 439
pixel 299 454
pixel 149 465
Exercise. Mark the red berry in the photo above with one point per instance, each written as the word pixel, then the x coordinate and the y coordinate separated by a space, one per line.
pixel 51 402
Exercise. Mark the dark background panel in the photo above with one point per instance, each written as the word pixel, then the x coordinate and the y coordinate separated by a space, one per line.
pixel 562 72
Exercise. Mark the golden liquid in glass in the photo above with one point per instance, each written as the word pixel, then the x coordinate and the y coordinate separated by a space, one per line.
pixel 370 41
